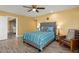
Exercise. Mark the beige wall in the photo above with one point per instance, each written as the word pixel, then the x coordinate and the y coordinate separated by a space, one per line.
pixel 25 23
pixel 67 19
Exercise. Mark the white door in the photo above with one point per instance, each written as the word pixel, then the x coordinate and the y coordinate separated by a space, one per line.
pixel 3 27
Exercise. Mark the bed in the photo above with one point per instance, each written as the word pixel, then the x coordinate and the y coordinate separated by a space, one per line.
pixel 40 39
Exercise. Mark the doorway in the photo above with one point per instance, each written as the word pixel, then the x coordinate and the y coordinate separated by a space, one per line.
pixel 12 27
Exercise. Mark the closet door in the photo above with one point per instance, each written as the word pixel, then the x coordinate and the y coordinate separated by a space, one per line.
pixel 3 27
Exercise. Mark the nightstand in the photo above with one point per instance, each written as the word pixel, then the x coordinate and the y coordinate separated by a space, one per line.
pixel 59 38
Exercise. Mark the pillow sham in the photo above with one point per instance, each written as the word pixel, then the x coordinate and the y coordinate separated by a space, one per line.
pixel 50 29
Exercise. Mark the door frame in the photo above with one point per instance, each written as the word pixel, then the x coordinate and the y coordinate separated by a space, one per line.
pixel 16 25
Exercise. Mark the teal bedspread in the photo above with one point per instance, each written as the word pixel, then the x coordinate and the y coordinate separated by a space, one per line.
pixel 39 38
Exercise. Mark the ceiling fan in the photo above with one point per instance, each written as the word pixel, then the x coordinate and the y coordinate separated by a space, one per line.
pixel 34 8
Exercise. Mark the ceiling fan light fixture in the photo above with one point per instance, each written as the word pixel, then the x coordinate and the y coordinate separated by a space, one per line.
pixel 34 9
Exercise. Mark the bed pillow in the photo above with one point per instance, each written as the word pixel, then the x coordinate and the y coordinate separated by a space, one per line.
pixel 43 29
pixel 50 29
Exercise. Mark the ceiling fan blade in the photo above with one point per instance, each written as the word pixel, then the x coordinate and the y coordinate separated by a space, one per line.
pixel 27 7
pixel 37 11
pixel 29 10
pixel 40 8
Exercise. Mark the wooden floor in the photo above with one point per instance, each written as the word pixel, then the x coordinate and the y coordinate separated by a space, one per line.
pixel 17 46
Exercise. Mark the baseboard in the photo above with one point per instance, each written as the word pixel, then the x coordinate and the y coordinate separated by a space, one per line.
pixel 19 36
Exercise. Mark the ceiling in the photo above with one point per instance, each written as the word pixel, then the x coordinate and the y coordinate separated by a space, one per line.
pixel 19 10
